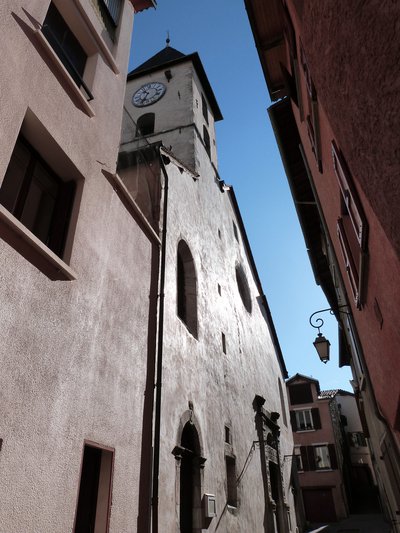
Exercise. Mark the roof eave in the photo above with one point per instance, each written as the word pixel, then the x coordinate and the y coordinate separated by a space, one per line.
pixel 269 39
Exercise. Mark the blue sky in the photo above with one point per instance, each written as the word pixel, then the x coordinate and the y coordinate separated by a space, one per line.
pixel 249 160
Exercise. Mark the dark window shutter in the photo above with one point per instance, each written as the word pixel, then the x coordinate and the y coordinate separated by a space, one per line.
pixel 350 196
pixel 316 418
pixel 332 456
pixel 62 214
pixel 300 393
pixel 311 458
pixel 351 268
pixel 290 84
pixel 304 458
pixel 293 420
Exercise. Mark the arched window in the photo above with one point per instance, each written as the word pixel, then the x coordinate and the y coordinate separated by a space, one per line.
pixel 145 125
pixel 243 287
pixel 206 138
pixel 186 288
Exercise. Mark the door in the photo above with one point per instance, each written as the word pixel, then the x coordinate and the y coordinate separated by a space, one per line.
pixel 319 505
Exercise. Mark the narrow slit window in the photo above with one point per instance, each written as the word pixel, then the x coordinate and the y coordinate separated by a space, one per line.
pixel 223 338
pixel 206 138
pixel 231 481
pixel 235 231
pixel 204 108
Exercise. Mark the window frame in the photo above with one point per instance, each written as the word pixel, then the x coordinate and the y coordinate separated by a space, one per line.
pixel 207 141
pixel 231 482
pixel 100 480
pixel 149 120
pixel 204 108
pixel 325 460
pixel 302 412
pixel 21 198
pixel 109 20
pixel 64 57
pixel 299 459
pixel 186 288
pixel 355 256
pixel 312 118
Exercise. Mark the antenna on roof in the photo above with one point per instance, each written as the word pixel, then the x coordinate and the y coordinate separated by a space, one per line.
pixel 168 40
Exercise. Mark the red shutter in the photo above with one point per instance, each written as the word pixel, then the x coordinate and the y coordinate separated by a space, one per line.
pixel 306 70
pixel 332 456
pixel 349 262
pixel 316 418
pixel 350 196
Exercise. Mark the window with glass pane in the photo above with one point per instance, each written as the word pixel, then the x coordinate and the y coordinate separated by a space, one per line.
pixel 304 420
pixel 110 12
pixel 321 454
pixel 64 44
pixel 299 461
pixel 37 197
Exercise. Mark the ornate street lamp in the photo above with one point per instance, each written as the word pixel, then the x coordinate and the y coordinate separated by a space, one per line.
pixel 321 343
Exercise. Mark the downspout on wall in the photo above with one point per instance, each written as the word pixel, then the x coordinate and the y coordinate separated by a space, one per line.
pixel 159 361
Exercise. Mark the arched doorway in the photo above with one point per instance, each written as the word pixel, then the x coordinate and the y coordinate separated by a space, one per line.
pixel 190 481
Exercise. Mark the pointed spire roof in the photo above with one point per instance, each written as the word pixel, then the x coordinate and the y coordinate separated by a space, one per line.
pixel 164 56
pixel 168 57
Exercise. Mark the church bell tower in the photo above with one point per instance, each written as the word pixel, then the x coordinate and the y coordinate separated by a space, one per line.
pixel 170 100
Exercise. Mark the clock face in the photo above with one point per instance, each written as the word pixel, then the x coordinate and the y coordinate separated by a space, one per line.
pixel 148 94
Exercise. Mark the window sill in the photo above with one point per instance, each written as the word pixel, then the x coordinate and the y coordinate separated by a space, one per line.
pixel 323 470
pixel 98 40
pixel 64 73
pixel 34 250
pixel 305 430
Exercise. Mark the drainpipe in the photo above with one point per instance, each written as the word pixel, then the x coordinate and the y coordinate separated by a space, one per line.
pixel 158 384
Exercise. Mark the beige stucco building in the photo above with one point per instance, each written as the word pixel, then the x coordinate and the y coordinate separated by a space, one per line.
pixel 140 365
pixel 74 292
pixel 222 436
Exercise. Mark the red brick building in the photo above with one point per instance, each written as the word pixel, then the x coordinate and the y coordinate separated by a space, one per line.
pixel 332 69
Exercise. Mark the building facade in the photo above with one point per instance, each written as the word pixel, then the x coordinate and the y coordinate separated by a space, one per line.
pixel 317 451
pixel 334 125
pixel 73 359
pixel 221 429
pixel 359 474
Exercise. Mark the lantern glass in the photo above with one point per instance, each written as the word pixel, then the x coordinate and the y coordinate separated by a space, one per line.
pixel 322 346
